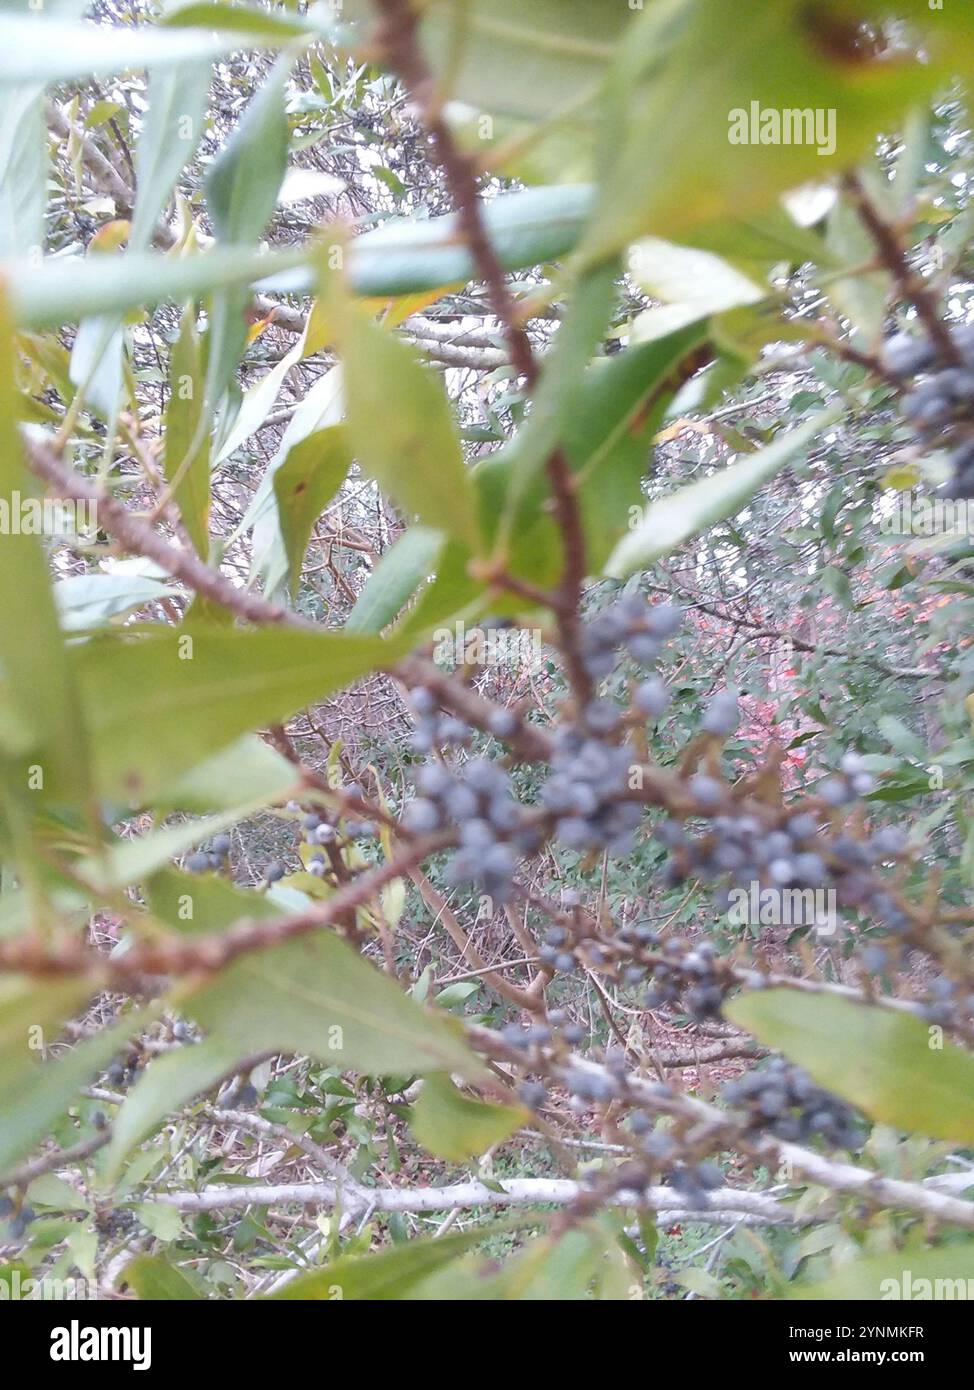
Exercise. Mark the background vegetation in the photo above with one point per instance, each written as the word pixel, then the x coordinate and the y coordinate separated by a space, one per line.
pixel 363 325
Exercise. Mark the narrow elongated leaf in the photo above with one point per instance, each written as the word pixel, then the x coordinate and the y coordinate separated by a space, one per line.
pixel 305 483
pixel 317 997
pixel 90 600
pixel 672 520
pixel 402 432
pixel 70 287
pixel 401 257
pixel 56 50
pixel 22 171
pixel 388 1275
pixel 187 438
pixel 242 186
pixel 39 685
pixel 885 1063
pixel 574 347
pixel 171 130
pixel 241 193
pixel 400 571
pixel 165 1085
pixel 198 691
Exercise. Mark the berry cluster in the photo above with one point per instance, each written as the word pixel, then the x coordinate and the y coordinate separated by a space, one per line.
pixel 586 791
pixel 783 1100
pixel 691 976
pixel 588 782
pixel 434 729
pixel 940 405
pixel 631 622
pixel 122 1073
pixel 493 828
pixel 800 850
pixel 214 858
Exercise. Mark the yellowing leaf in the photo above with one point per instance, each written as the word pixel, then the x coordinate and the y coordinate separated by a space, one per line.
pixel 455 1128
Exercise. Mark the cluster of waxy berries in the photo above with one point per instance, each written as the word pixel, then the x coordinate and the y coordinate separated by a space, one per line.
pixel 584 796
pixel 802 850
pixel 435 729
pixel 477 802
pixel 588 782
pixel 214 858
pixel 940 405
pixel 317 830
pixel 17 1221
pixel 633 623
pixel 586 790
pixel 783 1100
pixel 691 978
pixel 122 1073
pixel 659 1153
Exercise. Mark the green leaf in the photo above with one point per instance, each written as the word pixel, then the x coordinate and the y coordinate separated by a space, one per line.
pixel 165 1223
pixel 34 1095
pixel 198 690
pixel 907 1275
pixel 888 1064
pixel 536 68
pixel 386 1276
pixel 39 686
pixel 242 19
pixel 165 1085
pixel 609 419
pixel 246 773
pixel 400 571
pixel 902 739
pixel 170 132
pixel 317 997
pixel 241 193
pixel 156 1279
pixel 546 1270
pixel 679 145
pixel 56 50
pixel 860 297
pixel 691 283
pixel 406 255
pixel 517 60
pixel 402 431
pixel 23 158
pixel 243 182
pixel 202 902
pixel 187 438
pixel 402 256
pixel 668 523
pixel 312 472
pixel 580 334
pixel 454 1127
pixel 74 287
pixel 91 600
